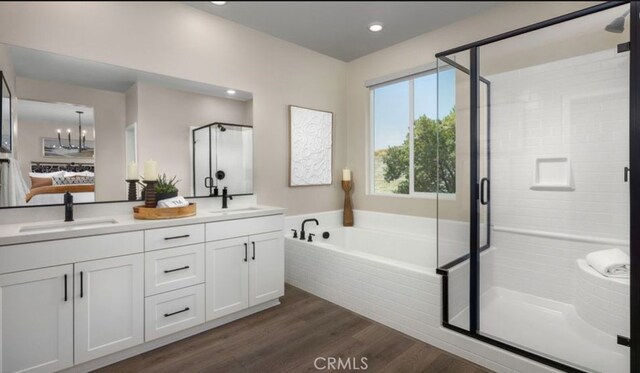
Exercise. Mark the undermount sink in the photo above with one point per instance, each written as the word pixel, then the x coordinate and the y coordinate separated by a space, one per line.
pixel 232 210
pixel 68 226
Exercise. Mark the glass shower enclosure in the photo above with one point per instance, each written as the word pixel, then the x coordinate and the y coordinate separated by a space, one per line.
pixel 547 131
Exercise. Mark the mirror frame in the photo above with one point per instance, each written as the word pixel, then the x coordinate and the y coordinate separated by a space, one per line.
pixel 5 85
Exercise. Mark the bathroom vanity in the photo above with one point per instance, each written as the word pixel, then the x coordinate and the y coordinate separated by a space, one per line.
pixel 84 294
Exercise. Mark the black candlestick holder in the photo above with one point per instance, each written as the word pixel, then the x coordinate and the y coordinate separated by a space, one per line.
pixel 150 193
pixel 133 189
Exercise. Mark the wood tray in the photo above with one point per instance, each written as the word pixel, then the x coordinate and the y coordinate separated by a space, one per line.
pixel 156 213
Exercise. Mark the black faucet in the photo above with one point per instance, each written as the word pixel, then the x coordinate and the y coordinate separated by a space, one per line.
pixel 225 198
pixel 302 236
pixel 68 207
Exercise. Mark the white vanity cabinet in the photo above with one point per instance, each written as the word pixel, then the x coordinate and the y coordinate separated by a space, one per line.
pixel 37 320
pixel 109 306
pixel 244 271
pixel 85 300
pixel 48 313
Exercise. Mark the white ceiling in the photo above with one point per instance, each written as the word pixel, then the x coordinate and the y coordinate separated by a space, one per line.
pixel 59 115
pixel 35 64
pixel 340 28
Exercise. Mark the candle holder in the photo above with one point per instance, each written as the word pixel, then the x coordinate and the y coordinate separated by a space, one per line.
pixel 347 214
pixel 150 193
pixel 133 190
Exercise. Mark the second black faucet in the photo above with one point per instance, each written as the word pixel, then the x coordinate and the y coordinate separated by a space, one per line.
pixel 302 234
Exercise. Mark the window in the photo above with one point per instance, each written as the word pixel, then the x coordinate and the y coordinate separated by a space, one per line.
pixel 406 132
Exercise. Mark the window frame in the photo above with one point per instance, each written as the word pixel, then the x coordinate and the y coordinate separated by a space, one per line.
pixel 370 148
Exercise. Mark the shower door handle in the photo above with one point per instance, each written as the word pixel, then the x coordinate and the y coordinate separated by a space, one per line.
pixel 210 179
pixel 626 174
pixel 485 193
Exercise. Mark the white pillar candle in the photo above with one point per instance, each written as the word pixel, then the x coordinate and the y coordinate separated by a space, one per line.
pixel 150 170
pixel 132 171
pixel 346 175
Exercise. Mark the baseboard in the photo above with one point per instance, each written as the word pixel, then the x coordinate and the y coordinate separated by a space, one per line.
pixel 151 345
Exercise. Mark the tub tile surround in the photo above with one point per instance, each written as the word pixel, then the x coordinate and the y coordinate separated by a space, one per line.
pixel 405 298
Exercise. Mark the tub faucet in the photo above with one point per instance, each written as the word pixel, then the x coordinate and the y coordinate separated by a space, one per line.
pixel 225 198
pixel 302 234
pixel 68 207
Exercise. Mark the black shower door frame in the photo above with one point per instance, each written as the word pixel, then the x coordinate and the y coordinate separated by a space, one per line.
pixel 633 340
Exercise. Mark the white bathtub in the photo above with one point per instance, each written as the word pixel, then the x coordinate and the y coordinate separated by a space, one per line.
pixel 408 251
pixel 386 276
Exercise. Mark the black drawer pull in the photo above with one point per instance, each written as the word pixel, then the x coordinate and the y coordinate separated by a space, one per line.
pixel 176 237
pixel 177 312
pixel 65 288
pixel 81 286
pixel 176 269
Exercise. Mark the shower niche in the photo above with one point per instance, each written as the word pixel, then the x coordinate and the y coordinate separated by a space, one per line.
pixel 553 174
pixel 222 157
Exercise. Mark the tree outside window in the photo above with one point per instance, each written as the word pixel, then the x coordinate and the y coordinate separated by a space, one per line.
pixel 431 149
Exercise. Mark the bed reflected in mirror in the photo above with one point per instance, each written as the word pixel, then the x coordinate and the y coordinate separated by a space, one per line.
pixel 88 128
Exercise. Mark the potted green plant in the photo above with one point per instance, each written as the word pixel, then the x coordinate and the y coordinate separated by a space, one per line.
pixel 166 188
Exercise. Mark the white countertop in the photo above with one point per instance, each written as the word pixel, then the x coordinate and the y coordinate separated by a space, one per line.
pixel 10 234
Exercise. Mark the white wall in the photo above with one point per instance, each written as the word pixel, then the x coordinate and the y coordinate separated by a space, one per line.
pixel 177 40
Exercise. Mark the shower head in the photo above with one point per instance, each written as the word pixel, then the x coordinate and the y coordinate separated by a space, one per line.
pixel 617 25
pixel 222 129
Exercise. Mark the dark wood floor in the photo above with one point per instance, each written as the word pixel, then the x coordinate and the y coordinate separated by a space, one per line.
pixel 288 338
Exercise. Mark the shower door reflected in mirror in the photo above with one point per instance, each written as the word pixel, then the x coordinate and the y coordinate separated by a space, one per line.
pixel 222 158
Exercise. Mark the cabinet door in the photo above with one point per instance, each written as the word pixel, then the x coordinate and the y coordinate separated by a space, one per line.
pixel 37 320
pixel 266 267
pixel 227 277
pixel 109 306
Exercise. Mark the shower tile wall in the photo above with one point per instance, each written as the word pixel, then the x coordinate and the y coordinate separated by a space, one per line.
pixel 576 108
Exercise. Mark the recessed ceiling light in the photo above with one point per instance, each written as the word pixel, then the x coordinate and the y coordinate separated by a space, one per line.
pixel 231 92
pixel 376 27
pixel 218 3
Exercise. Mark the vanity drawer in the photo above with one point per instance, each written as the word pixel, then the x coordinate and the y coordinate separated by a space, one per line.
pixel 244 227
pixel 174 311
pixel 175 268
pixel 155 239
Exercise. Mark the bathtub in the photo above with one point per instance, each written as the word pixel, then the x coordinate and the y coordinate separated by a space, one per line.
pixel 386 276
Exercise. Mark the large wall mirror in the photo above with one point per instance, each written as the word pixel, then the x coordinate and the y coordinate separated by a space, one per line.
pixel 81 124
